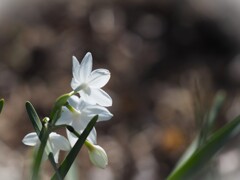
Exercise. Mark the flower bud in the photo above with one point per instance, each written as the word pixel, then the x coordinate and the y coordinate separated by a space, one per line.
pixel 98 156
pixel 61 101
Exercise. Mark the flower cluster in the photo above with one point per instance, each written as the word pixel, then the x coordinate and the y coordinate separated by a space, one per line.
pixel 86 101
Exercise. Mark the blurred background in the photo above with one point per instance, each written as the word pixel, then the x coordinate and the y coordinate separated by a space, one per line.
pixel 164 56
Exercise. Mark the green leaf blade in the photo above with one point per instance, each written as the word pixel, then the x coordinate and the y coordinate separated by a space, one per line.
pixel 33 116
pixel 52 161
pixel 210 117
pixel 205 152
pixel 207 127
pixel 216 107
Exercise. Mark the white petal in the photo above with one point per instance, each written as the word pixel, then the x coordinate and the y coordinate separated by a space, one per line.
pixel 82 104
pixel 75 68
pixel 98 156
pixel 87 98
pixel 31 139
pixel 59 141
pixel 101 97
pixel 86 67
pixel 75 83
pixel 92 137
pixel 99 78
pixel 65 118
pixel 72 138
pixel 56 155
pixel 74 101
pixel 102 112
pixel 79 126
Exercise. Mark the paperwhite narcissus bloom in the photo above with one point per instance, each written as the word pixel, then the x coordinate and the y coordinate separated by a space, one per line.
pixel 56 142
pixel 97 155
pixel 80 116
pixel 89 83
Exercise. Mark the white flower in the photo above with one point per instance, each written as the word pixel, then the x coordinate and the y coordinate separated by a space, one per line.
pixel 56 142
pixel 89 83
pixel 97 155
pixel 80 116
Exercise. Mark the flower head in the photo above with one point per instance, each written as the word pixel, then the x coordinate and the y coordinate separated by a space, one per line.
pixel 89 83
pixel 97 155
pixel 79 115
pixel 56 142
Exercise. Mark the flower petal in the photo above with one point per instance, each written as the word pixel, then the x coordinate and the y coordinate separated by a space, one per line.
pixel 86 67
pixel 31 139
pixel 59 141
pixel 99 78
pixel 65 118
pixel 102 112
pixel 79 126
pixel 56 155
pixel 82 104
pixel 100 97
pixel 80 122
pixel 74 101
pixel 92 137
pixel 71 137
pixel 87 98
pixel 75 83
pixel 98 156
pixel 75 68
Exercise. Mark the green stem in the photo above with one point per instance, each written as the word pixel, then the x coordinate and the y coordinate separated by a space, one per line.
pixel 37 162
pixel 52 161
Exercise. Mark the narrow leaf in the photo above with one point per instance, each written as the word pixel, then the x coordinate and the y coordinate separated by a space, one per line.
pixel 199 158
pixel 207 127
pixel 52 161
pixel 68 161
pixel 190 150
pixel 33 116
pixel 210 118
pixel 216 107
pixel 36 122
